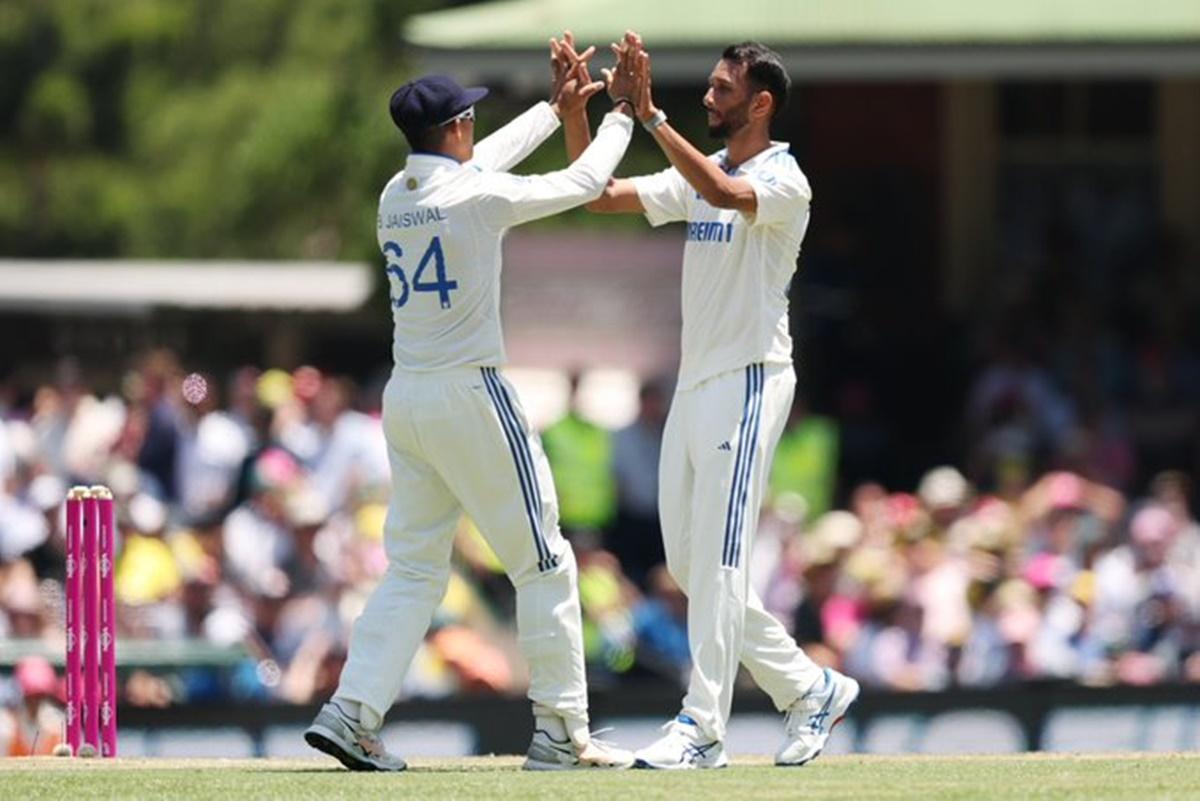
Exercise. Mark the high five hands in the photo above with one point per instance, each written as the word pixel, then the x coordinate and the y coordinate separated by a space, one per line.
pixel 570 84
pixel 627 82
pixel 633 61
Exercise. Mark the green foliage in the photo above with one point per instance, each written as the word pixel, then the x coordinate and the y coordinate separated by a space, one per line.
pixel 57 113
pixel 212 128
pixel 197 128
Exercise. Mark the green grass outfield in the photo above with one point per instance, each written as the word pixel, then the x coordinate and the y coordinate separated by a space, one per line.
pixel 1034 776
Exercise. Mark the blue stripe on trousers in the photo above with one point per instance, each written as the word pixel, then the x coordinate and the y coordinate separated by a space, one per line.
pixel 515 437
pixel 743 465
pixel 550 561
pixel 748 470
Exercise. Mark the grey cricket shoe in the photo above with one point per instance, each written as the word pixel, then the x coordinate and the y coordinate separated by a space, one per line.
pixel 547 753
pixel 335 734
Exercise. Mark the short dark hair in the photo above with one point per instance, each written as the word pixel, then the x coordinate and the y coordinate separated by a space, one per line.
pixel 764 70
pixel 425 140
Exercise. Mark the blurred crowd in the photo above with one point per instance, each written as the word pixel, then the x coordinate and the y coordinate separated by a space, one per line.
pixel 251 509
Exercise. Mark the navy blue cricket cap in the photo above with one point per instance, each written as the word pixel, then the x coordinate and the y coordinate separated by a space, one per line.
pixel 431 100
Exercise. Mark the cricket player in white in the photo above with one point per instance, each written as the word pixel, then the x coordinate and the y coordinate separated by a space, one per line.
pixel 746 209
pixel 457 437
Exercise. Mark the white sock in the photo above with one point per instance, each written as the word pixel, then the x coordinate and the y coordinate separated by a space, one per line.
pixel 552 725
pixel 561 728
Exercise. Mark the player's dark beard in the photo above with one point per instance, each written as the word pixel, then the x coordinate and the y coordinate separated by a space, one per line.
pixel 731 122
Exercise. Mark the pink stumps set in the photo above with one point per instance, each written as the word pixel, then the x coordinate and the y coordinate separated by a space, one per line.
pixel 91 665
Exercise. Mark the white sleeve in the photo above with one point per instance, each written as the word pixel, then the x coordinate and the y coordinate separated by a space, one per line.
pixel 663 195
pixel 506 200
pixel 510 145
pixel 783 195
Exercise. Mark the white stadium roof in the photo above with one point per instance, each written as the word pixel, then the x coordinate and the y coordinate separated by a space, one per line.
pixel 104 285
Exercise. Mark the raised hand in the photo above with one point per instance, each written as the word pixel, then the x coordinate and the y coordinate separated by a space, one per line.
pixel 624 80
pixel 563 57
pixel 571 84
pixel 643 102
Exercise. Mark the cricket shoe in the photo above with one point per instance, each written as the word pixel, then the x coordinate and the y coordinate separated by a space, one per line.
pixel 546 752
pixel 683 747
pixel 344 739
pixel 812 718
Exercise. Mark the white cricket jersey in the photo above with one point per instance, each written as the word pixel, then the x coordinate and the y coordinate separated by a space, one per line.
pixel 440 227
pixel 736 267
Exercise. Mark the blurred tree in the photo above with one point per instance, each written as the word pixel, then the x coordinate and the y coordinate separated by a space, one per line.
pixel 197 128
pixel 213 128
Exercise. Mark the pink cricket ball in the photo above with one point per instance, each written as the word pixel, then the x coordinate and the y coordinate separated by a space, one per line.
pixel 195 388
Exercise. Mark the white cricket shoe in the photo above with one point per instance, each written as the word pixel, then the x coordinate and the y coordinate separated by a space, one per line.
pixel 812 718
pixel 344 739
pixel 683 747
pixel 548 753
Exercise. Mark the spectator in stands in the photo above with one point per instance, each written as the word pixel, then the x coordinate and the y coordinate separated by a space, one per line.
pixel 607 600
pixel 148 578
pixel 660 623
pixel 351 456
pixel 945 494
pixel 989 538
pixel 146 569
pixel 55 411
pixel 212 446
pixel 635 537
pixel 45 494
pixel 257 542
pixel 1141 610
pixel 937 584
pixel 806 459
pixel 1070 517
pixel 31 714
pixel 153 391
pixel 775 565
pixel 580 454
pixel 22 613
pixel 1172 490
pixel 822 552
pixel 914 591
pixel 892 650
pixel 23 526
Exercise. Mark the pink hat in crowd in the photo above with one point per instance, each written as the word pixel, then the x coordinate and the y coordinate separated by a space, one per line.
pixel 275 468
pixel 36 677
pixel 1066 491
pixel 1045 571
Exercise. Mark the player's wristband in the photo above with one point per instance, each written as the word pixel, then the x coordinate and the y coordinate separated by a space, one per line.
pixel 617 101
pixel 654 122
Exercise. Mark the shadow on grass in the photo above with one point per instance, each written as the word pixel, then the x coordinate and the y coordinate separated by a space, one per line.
pixel 416 769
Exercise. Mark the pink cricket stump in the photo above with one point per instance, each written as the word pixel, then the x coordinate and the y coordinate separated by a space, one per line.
pixel 91 621
pixel 108 631
pixel 74 618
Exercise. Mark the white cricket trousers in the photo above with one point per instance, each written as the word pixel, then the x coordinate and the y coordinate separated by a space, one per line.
pixel 717 447
pixel 459 442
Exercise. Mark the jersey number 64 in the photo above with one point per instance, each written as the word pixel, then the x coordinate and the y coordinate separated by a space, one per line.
pixel 392 252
